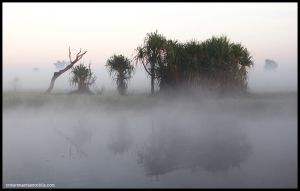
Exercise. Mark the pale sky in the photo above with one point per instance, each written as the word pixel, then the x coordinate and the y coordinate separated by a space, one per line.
pixel 39 34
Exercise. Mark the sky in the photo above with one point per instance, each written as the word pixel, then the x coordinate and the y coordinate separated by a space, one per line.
pixel 39 34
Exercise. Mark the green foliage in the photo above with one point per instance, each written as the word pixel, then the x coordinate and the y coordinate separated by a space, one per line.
pixel 152 55
pixel 82 77
pixel 224 62
pixel 215 63
pixel 121 70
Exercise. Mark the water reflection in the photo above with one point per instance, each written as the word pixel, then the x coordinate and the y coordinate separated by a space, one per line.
pixel 77 137
pixel 212 148
pixel 121 138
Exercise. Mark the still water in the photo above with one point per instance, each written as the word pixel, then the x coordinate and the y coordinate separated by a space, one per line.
pixel 214 143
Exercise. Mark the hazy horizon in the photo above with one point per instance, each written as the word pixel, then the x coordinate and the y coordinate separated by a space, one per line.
pixel 36 35
pixel 186 138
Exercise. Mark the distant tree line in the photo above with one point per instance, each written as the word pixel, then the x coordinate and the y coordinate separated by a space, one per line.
pixel 216 63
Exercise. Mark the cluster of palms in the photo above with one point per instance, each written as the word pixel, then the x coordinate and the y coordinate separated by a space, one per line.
pixel 119 68
pixel 215 63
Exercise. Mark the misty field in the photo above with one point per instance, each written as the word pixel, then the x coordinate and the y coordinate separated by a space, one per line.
pixel 112 141
pixel 39 99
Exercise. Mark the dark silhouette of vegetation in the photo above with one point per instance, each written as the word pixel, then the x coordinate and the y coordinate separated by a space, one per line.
pixel 77 139
pixel 82 78
pixel 121 140
pixel 171 148
pixel 270 65
pixel 216 63
pixel 151 55
pixel 121 70
pixel 60 72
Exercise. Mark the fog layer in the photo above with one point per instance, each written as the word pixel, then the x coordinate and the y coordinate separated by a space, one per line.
pixel 140 141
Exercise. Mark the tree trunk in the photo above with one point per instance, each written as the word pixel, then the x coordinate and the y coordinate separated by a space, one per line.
pixel 121 83
pixel 82 87
pixel 152 79
pixel 51 83
pixel 60 72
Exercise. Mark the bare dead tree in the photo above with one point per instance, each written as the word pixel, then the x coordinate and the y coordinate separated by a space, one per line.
pixel 60 72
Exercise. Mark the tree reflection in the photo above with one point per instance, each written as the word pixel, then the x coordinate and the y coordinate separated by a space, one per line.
pixel 213 149
pixel 121 140
pixel 77 138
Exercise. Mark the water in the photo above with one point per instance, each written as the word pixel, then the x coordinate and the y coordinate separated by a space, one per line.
pixel 223 143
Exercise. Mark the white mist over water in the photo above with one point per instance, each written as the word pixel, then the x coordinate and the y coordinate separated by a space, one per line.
pixel 136 141
pixel 152 142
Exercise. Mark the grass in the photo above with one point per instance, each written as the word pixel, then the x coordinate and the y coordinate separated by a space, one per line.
pixel 114 100
pixel 39 99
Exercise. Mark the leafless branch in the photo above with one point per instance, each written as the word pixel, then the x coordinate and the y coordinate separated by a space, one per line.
pixel 78 53
pixel 57 74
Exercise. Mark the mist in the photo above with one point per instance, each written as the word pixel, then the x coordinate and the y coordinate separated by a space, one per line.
pixel 38 81
pixel 188 138
pixel 110 142
pixel 210 114
pixel 283 79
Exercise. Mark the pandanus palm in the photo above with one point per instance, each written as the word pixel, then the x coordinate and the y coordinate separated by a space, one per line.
pixel 224 62
pixel 181 63
pixel 151 54
pixel 82 77
pixel 121 70
pixel 173 70
pixel 216 62
pixel 242 60
pixel 192 62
